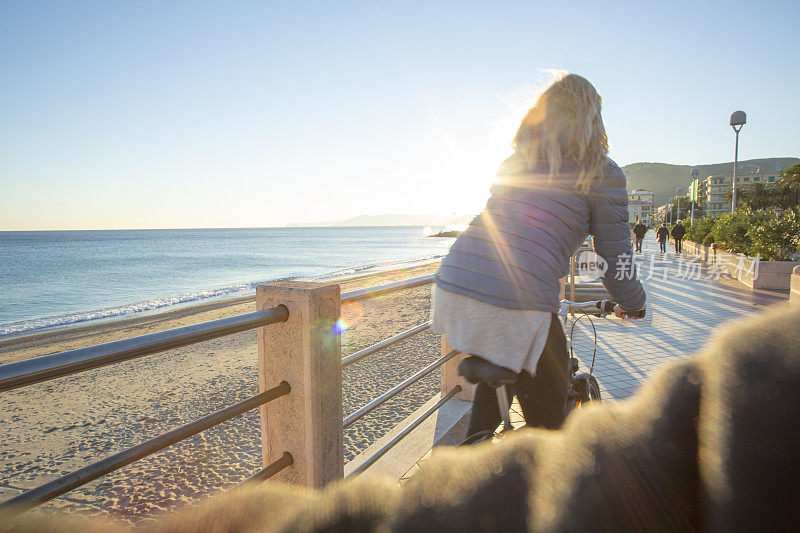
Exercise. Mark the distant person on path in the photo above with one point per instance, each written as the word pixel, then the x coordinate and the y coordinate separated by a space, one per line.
pixel 678 231
pixel 639 231
pixel 497 290
pixel 662 235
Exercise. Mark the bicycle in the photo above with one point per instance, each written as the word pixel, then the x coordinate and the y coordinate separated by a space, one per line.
pixel 582 388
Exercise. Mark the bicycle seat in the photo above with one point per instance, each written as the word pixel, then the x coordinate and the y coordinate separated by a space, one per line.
pixel 475 369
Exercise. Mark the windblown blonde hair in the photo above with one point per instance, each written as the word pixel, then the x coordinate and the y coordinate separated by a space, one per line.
pixel 565 124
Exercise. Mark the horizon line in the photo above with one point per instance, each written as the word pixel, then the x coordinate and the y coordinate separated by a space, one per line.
pixel 292 225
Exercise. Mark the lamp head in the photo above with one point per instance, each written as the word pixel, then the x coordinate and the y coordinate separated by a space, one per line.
pixel 695 173
pixel 738 118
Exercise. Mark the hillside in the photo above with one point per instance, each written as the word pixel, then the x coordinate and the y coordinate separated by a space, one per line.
pixel 663 178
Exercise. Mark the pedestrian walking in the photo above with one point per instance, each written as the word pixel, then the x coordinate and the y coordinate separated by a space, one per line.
pixel 639 231
pixel 662 235
pixel 678 231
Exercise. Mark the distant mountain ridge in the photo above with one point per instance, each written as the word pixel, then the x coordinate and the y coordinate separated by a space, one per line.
pixel 391 219
pixel 663 178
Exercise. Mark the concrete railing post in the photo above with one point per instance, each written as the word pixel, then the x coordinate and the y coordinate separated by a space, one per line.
pixel 306 352
pixel 794 285
pixel 450 377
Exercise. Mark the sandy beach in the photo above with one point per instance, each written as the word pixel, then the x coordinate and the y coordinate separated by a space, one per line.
pixel 52 428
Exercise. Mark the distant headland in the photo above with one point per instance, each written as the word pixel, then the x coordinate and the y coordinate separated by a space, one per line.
pixel 447 233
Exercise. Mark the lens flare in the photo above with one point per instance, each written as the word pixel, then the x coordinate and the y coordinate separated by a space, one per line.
pixel 340 327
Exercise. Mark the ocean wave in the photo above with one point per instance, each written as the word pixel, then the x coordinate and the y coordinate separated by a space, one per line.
pixel 377 267
pixel 224 293
pixel 114 312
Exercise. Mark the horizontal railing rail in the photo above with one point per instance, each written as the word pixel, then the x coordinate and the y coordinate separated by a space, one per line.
pixel 47 367
pixel 380 400
pixel 378 290
pixel 378 346
pixel 404 433
pixel 273 468
pixel 73 480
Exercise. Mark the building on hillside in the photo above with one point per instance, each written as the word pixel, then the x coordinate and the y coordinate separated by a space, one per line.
pixel 662 214
pixel 696 192
pixel 638 210
pixel 642 195
pixel 718 185
pixel 640 206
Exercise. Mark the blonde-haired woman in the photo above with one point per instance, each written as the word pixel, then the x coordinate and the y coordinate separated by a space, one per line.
pixel 497 291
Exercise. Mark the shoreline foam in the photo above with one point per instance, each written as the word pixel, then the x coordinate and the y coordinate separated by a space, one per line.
pixel 157 305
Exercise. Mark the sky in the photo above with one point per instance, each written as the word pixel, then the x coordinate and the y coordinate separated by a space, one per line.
pixel 250 114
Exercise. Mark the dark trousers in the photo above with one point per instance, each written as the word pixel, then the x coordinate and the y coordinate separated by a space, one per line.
pixel 543 397
pixel 678 246
pixel 663 245
pixel 638 242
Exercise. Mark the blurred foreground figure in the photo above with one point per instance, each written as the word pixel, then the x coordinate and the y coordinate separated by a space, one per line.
pixel 709 443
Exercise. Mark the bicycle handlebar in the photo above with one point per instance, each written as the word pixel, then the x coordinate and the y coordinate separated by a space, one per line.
pixel 599 308
pixel 627 314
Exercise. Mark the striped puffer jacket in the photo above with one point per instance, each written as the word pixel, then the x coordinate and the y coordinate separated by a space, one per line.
pixel 514 253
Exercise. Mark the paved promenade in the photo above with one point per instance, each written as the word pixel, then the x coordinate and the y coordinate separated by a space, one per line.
pixel 686 303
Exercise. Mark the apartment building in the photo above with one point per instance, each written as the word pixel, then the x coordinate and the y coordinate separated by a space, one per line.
pixel 697 192
pixel 716 187
pixel 640 206
pixel 662 214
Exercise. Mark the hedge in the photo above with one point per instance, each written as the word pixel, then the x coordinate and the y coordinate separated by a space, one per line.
pixel 773 235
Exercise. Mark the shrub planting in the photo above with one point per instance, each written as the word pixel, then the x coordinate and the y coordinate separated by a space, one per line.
pixel 773 235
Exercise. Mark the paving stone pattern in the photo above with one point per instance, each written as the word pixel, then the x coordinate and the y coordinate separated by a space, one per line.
pixel 687 301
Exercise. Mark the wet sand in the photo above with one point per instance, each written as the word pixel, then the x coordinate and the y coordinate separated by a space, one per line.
pixel 49 429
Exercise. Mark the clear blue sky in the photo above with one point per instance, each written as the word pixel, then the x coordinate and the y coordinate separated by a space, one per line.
pixel 199 114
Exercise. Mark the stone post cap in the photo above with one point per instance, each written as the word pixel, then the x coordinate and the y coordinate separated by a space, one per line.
pixel 296 285
pixel 796 270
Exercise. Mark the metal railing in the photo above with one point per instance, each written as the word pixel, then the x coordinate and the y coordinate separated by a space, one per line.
pixel 48 367
pixel 378 346
pixel 378 290
pixel 404 433
pixel 349 420
pixel 394 391
pixel 585 247
pixel 273 468
pixel 84 475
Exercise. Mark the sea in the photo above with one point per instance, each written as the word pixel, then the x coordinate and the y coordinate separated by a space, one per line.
pixel 61 279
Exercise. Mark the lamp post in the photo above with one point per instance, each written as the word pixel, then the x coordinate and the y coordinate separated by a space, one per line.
pixel 693 196
pixel 738 119
pixel 678 192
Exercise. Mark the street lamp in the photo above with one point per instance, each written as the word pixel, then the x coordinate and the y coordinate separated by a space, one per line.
pixel 693 196
pixel 678 193
pixel 738 119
